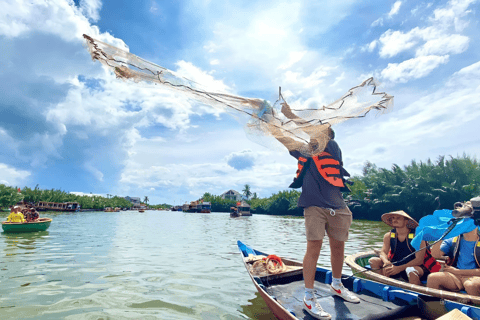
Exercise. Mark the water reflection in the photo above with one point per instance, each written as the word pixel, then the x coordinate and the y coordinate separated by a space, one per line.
pixel 257 309
pixel 21 243
pixel 151 265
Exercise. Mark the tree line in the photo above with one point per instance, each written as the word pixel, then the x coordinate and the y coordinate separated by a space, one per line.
pixel 12 195
pixel 419 189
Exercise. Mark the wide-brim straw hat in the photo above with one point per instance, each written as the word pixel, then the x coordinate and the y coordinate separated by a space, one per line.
pixel 387 218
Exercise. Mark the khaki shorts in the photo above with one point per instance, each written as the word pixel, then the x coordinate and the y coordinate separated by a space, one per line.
pixel 335 222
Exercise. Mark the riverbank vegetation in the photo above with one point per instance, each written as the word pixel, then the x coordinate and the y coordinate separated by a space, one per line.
pixel 10 196
pixel 418 188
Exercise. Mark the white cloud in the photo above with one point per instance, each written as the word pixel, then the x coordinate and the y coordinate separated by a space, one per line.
pixel 370 46
pixel 433 43
pixel 417 128
pixel 395 8
pixel 453 13
pixel 294 57
pixel 414 68
pixel 451 44
pixel 11 176
pixel 394 42
pixel 191 72
pixel 91 8
pixel 378 22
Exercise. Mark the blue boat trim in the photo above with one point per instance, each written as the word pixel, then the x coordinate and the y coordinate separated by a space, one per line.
pixel 363 286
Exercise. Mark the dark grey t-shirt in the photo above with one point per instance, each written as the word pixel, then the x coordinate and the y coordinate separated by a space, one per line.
pixel 316 191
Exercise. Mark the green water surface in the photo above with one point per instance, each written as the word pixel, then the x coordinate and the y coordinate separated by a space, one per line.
pixel 150 265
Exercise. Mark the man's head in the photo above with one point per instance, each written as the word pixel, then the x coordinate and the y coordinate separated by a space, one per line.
pixel 331 133
pixel 399 219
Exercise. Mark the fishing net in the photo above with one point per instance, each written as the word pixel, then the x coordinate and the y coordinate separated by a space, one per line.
pixel 303 129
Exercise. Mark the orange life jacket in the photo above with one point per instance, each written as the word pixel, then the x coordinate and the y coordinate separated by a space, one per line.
pixel 302 168
pixel 456 251
pixel 328 167
pixel 429 261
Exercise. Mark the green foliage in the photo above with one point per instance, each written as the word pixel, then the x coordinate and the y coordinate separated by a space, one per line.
pixel 418 188
pixel 9 196
pixel 246 191
pixel 218 204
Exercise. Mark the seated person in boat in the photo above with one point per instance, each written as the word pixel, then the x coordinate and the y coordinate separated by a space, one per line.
pixel 397 246
pixel 462 269
pixel 30 214
pixel 15 215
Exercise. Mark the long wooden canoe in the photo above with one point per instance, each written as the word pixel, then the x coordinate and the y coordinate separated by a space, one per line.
pixel 359 261
pixel 41 224
pixel 283 294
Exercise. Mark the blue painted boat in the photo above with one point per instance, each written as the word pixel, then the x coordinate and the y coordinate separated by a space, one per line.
pixel 283 294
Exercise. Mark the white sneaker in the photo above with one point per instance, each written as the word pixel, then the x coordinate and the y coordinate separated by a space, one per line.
pixel 345 294
pixel 315 309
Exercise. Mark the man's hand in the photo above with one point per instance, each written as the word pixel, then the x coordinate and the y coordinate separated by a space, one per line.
pixel 452 270
pixel 392 270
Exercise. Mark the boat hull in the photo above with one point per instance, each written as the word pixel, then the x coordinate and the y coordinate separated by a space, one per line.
pixel 41 225
pixel 357 262
pixel 283 294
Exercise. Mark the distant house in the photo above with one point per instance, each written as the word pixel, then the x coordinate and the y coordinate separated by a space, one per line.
pixel 134 200
pixel 232 195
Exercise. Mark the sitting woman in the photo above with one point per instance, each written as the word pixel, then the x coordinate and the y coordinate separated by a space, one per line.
pixel 16 215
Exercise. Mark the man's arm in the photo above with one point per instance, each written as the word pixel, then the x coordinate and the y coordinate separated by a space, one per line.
pixel 419 257
pixel 385 249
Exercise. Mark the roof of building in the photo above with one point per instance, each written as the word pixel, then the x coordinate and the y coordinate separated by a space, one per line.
pixel 231 192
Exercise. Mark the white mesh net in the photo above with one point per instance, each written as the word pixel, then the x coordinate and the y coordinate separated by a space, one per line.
pixel 306 130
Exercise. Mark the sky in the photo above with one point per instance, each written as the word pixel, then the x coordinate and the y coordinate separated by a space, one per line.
pixel 67 123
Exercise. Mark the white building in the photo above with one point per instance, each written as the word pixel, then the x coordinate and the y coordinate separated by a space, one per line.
pixel 232 195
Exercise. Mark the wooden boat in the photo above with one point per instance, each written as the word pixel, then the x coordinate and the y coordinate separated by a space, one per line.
pixel 141 210
pixel 41 224
pixel 204 207
pixel 359 261
pixel 56 206
pixel 283 294
pixel 234 212
pixel 241 210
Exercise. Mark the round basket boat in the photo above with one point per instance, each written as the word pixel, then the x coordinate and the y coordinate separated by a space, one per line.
pixel 41 224
pixel 357 262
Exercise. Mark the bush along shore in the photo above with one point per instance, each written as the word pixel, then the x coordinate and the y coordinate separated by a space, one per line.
pixel 10 196
pixel 419 188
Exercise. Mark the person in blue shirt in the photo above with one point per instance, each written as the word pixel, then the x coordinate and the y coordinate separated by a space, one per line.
pixel 462 269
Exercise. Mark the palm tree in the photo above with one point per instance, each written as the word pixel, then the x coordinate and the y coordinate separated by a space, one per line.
pixel 246 191
pixel 145 200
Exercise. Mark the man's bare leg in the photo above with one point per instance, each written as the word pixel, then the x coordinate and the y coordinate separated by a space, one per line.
pixel 376 264
pixel 337 250
pixel 443 280
pixel 310 262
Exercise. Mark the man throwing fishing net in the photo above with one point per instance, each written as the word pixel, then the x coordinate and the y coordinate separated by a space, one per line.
pixel 305 133
pixel 322 180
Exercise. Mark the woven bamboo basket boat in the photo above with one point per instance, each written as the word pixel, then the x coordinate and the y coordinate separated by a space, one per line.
pixel 357 262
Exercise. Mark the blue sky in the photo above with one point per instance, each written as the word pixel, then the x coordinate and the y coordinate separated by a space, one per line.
pixel 68 123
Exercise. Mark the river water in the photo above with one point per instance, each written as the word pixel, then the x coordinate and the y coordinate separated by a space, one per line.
pixel 150 265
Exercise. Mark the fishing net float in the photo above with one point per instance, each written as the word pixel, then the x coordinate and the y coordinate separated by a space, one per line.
pixel 303 129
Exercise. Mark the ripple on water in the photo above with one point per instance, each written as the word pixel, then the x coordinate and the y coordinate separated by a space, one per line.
pixel 152 265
